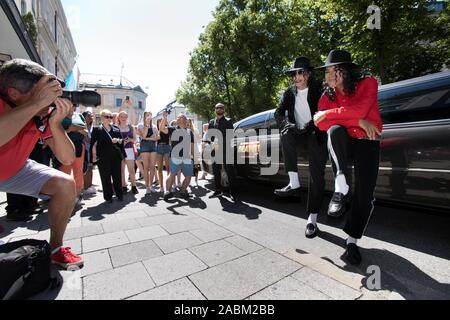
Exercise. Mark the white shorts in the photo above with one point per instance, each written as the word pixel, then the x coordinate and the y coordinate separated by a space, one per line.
pixel 30 180
pixel 130 154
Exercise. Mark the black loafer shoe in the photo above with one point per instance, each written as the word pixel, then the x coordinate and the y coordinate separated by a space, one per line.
pixel 352 255
pixel 311 231
pixel 288 192
pixel 339 205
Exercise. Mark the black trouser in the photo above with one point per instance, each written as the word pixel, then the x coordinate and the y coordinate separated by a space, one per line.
pixel 110 168
pixel 24 204
pixel 318 157
pixel 365 155
pixel 289 143
pixel 217 169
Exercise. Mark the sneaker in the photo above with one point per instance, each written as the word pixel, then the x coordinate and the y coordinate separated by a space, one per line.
pixel 90 191
pixel 125 190
pixel 154 190
pixel 134 190
pixel 185 195
pixel 149 191
pixel 168 196
pixel 66 258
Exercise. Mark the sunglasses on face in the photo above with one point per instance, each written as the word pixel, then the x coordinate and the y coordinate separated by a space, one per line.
pixel 298 73
pixel 108 117
pixel 220 108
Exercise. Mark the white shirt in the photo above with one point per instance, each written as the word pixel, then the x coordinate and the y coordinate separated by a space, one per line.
pixel 302 111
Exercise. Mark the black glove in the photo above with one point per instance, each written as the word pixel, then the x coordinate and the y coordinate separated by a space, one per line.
pixel 287 126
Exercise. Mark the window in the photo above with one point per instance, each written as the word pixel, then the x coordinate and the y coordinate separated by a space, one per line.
pixel 254 123
pixel 119 102
pixel 23 7
pixel 140 105
pixel 33 6
pixel 419 104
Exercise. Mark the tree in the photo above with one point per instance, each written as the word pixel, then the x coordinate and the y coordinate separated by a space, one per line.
pixel 242 54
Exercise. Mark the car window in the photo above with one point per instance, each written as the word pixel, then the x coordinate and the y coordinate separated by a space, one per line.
pixel 254 123
pixel 416 105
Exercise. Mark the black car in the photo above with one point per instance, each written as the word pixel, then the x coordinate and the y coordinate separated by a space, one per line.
pixel 415 158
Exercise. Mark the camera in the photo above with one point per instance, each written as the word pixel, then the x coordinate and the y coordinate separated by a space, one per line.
pixel 87 98
pixel 168 110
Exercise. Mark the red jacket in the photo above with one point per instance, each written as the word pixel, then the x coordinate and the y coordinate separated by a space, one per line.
pixel 348 110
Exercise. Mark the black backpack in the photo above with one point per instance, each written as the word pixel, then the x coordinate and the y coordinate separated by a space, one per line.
pixel 24 269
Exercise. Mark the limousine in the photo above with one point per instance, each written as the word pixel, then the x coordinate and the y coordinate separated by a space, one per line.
pixel 415 157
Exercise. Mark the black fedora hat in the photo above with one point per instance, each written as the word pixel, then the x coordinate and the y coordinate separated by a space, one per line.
pixel 301 63
pixel 337 57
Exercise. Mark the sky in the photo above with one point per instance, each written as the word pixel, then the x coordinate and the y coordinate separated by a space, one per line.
pixel 152 38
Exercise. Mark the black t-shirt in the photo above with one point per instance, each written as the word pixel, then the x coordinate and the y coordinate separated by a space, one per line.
pixel 165 137
pixel 181 133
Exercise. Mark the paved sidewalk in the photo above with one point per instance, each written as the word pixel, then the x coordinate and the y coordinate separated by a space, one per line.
pixel 199 249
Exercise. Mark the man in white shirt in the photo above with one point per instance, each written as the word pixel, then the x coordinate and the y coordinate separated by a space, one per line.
pixel 300 103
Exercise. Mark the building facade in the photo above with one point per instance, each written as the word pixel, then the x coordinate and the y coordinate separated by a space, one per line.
pixel 55 44
pixel 114 90
pixel 15 41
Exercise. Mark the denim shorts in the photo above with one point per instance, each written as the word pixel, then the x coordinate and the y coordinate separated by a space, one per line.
pixel 148 146
pixel 164 149
pixel 186 167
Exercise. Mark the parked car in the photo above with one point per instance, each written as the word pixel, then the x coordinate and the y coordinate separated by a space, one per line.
pixel 415 157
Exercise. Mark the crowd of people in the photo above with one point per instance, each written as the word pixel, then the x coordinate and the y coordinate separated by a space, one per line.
pixel 49 150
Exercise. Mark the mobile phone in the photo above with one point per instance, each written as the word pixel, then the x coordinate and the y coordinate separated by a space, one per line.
pixel 127 98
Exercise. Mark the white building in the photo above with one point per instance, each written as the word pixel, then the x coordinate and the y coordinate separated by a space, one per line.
pixel 114 90
pixel 15 42
pixel 175 110
pixel 55 44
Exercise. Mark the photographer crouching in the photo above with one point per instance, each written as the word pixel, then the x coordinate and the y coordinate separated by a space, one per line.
pixel 31 110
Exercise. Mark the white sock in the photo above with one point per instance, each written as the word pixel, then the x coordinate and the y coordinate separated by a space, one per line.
pixel 295 181
pixel 312 219
pixel 56 250
pixel 352 240
pixel 341 185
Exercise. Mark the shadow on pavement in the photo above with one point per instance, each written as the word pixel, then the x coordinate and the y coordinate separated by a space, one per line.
pixel 397 273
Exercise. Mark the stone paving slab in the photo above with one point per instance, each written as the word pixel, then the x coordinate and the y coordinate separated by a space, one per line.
pixel 160 219
pixel 177 242
pixel 122 225
pixel 117 284
pixel 241 278
pixel 244 244
pixel 96 262
pixel 83 232
pixel 212 234
pixel 217 252
pixel 104 241
pixel 326 285
pixel 180 290
pixel 134 252
pixel 146 233
pixel 187 225
pixel 173 266
pixel 289 289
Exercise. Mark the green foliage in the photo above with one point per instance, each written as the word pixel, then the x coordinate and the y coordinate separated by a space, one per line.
pixel 242 54
pixel 30 26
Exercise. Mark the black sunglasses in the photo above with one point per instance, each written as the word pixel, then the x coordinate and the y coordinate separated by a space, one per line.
pixel 298 73
pixel 108 117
